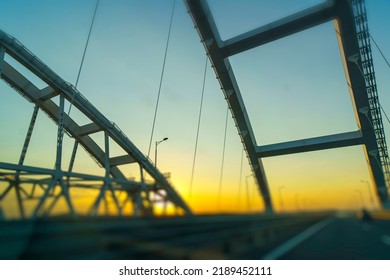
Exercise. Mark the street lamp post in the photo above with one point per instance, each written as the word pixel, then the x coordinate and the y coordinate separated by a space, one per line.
pixel 247 192
pixel 305 203
pixel 360 196
pixel 369 191
pixel 155 150
pixel 280 197
pixel 297 204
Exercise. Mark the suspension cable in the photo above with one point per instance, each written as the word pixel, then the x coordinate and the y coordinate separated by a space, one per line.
pixel 161 77
pixel 84 52
pixel 223 160
pixel 198 128
pixel 387 117
pixel 240 181
pixel 367 83
pixel 387 62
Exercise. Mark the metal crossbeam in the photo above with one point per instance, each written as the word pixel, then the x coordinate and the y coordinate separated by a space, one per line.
pixel 47 93
pixel 312 144
pixel 33 170
pixel 81 134
pixel 279 29
pixel 218 50
pixel 120 160
pixel 89 129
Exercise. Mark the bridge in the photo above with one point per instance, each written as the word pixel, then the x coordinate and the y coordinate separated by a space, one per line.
pixel 40 205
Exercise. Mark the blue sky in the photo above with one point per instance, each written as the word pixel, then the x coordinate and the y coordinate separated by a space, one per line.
pixel 293 88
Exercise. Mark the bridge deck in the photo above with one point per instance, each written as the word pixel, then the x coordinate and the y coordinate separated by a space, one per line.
pixel 201 237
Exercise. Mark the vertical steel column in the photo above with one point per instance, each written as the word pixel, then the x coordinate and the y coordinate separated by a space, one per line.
pixel 2 53
pixel 108 167
pixel 44 197
pixel 28 136
pixel 60 133
pixel 71 163
pixel 60 138
pixel 107 154
pixel 137 199
pixel 73 157
pixel 22 157
pixel 107 180
pixel 57 176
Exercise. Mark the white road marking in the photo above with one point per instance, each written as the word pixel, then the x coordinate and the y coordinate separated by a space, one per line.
pixel 296 240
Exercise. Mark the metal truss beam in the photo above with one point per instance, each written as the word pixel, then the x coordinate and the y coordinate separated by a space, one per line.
pixel 279 29
pixel 25 179
pixel 80 133
pixel 22 158
pixel 89 129
pixel 47 93
pixel 341 12
pixel 312 144
pixel 28 136
pixel 31 170
pixel 73 157
pixel 349 46
pixel 120 160
pixel 20 83
pixel 209 34
pixel 2 54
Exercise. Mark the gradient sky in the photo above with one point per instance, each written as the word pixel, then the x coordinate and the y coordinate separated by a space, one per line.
pixel 293 88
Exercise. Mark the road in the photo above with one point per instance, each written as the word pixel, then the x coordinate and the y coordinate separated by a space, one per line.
pixel 301 236
pixel 338 239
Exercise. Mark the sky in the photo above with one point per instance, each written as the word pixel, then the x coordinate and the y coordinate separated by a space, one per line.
pixel 293 88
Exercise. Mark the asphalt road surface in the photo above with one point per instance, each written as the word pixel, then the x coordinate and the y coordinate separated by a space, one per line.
pixel 338 239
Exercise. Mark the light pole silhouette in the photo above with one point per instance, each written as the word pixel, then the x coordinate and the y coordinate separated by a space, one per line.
pixel 369 191
pixel 155 150
pixel 280 197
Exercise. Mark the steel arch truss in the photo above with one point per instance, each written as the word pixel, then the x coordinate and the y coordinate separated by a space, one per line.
pixel 351 29
pixel 25 180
